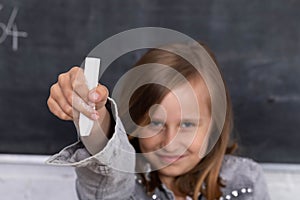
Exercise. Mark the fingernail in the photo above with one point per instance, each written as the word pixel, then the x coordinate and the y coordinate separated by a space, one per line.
pixel 95 96
pixel 95 116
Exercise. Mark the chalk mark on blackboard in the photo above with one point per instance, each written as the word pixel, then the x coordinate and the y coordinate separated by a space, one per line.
pixel 283 98
pixel 11 30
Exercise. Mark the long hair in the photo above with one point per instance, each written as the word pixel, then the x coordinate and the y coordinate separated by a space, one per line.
pixel 204 177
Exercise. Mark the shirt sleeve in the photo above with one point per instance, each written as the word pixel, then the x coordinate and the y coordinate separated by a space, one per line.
pixel 108 174
pixel 243 178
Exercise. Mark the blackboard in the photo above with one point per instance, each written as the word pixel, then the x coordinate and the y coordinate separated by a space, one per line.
pixel 256 43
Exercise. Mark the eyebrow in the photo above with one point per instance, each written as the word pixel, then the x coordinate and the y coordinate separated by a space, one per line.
pixel 195 120
pixel 157 119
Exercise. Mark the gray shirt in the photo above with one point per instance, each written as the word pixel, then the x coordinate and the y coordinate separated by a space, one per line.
pixel 110 175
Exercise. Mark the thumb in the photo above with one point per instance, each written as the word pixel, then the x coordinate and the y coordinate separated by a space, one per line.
pixel 98 96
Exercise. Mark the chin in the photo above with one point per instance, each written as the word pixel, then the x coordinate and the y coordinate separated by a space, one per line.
pixel 171 171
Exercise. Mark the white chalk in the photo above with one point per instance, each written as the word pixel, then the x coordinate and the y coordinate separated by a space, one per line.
pixel 91 73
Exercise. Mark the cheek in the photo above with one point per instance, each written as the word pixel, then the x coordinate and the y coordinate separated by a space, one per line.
pixel 147 144
pixel 199 143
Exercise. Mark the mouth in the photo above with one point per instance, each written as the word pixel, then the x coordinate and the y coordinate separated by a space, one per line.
pixel 170 158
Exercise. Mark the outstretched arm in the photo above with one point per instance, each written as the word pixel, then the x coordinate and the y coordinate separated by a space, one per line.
pixel 104 160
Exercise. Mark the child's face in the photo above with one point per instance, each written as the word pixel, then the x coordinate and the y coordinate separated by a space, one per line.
pixel 173 142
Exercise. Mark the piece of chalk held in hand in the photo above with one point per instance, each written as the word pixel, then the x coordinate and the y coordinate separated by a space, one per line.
pixel 91 73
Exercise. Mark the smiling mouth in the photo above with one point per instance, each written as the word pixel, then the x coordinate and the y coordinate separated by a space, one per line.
pixel 170 159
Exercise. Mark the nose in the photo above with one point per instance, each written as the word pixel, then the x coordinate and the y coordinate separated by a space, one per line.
pixel 170 141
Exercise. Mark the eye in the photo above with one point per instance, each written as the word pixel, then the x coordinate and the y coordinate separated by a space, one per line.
pixel 187 125
pixel 156 124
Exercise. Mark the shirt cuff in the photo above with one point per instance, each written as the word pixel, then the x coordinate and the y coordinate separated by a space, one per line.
pixel 117 154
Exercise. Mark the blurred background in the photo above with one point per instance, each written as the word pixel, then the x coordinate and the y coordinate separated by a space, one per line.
pixel 257 44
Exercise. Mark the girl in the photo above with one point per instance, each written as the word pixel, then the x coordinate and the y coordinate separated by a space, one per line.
pixel 171 111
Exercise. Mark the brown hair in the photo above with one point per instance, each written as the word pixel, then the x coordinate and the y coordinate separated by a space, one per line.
pixel 204 177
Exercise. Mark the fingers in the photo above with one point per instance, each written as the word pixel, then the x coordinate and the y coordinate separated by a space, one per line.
pixel 57 110
pixel 98 96
pixel 70 96
pixel 82 107
pixel 78 83
pixel 65 87
pixel 74 91
pixel 80 100
pixel 58 97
